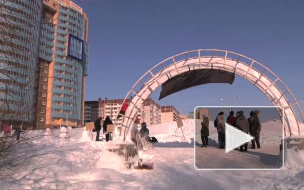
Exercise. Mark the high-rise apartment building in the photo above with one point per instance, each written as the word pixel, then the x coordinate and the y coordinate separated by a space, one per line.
pixel 150 112
pixel 19 33
pixel 45 62
pixel 169 114
pixel 91 111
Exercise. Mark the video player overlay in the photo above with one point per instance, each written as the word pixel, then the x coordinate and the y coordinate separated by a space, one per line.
pixel 239 138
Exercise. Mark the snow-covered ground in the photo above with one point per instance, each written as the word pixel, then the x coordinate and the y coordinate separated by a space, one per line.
pixel 77 162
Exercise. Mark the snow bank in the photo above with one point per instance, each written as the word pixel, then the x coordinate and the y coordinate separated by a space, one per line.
pixel 112 161
pixel 86 136
pixel 86 164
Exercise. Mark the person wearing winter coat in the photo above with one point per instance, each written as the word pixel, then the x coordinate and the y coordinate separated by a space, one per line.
pixel 243 125
pixel 97 125
pixel 205 130
pixel 18 132
pixel 144 131
pixel 221 129
pixel 135 132
pixel 231 119
pixel 250 122
pixel 6 129
pixel 255 128
pixel 144 135
pixel 105 124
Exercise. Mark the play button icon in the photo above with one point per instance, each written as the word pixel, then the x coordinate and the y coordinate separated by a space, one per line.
pixel 235 138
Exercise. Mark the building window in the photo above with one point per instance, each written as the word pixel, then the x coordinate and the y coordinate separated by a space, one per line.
pixel 43 95
pixel 42 110
pixel 43 86
pixel 43 103
pixel 41 118
pixel 44 79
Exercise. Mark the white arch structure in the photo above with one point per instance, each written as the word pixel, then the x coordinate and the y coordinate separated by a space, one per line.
pixel 262 77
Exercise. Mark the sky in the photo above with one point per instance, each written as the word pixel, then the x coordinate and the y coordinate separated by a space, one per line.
pixel 127 38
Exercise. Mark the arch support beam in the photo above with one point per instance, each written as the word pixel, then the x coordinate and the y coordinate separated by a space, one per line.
pixel 277 92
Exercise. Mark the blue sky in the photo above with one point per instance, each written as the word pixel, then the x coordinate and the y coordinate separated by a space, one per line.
pixel 129 37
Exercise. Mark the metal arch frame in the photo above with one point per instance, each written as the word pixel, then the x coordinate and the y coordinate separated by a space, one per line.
pixel 151 81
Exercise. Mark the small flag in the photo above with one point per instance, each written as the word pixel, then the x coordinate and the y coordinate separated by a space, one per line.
pixel 123 109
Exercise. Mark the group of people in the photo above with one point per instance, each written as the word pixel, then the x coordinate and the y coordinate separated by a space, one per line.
pixel 252 125
pixel 7 130
pixel 98 123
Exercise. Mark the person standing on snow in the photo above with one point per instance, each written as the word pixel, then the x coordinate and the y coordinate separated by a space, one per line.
pixel 221 129
pixel 105 123
pixel 205 130
pixel 243 125
pixel 250 123
pixel 144 134
pixel 231 119
pixel 135 132
pixel 6 129
pixel 256 129
pixel 97 125
pixel 18 132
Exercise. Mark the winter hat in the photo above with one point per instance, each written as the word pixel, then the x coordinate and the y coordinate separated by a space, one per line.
pixel 144 124
pixel 221 113
pixel 231 113
pixel 137 120
pixel 251 113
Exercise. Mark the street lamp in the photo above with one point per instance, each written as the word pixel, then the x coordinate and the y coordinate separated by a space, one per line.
pixel 221 99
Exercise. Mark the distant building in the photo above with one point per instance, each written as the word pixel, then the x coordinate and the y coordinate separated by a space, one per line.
pixel 191 115
pixel 150 112
pixel 200 112
pixel 103 108
pixel 169 114
pixel 91 111
pixel 184 116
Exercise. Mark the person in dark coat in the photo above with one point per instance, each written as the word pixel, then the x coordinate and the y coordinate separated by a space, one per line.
pixel 221 129
pixel 243 125
pixel 231 119
pixel 105 123
pixel 144 131
pixel 255 128
pixel 205 130
pixel 144 136
pixel 18 132
pixel 97 125
pixel 250 123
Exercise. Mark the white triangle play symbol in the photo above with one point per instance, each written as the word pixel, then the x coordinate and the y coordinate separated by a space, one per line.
pixel 235 138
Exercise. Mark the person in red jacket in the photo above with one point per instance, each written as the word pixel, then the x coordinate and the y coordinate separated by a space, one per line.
pixel 6 129
pixel 231 120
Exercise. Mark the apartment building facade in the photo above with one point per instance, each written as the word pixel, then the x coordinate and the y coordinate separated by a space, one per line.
pixel 50 66
pixel 150 112
pixel 169 114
